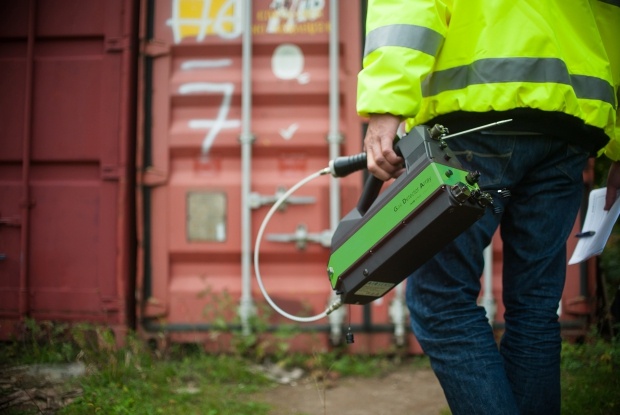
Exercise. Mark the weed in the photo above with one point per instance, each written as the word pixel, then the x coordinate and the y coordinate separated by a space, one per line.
pixel 590 377
pixel 265 340
pixel 46 343
pixel 197 383
pixel 609 260
pixel 133 379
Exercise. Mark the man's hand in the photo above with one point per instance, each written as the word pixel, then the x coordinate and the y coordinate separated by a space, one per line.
pixel 613 184
pixel 383 162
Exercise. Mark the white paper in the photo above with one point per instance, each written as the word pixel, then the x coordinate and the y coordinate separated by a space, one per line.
pixel 598 221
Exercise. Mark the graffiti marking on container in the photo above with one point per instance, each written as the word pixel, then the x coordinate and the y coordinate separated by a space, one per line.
pixel 292 16
pixel 206 64
pixel 287 133
pixel 226 89
pixel 200 18
pixel 287 62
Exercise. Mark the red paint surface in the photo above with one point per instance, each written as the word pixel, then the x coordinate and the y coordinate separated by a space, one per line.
pixel 66 143
pixel 190 281
pixel 67 112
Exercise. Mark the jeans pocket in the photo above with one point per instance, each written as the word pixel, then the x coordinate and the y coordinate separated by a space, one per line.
pixel 574 163
pixel 490 155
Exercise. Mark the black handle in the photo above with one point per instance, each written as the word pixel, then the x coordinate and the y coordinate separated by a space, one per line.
pixel 343 166
pixel 372 187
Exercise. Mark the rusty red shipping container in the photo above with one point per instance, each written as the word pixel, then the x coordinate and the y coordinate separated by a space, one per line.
pixel 234 106
pixel 65 161
pixel 239 104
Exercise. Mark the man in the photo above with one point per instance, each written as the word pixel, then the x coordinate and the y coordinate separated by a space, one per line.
pixel 553 67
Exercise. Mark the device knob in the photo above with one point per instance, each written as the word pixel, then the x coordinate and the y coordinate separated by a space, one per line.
pixel 473 177
pixel 460 192
pixel 437 131
pixel 484 199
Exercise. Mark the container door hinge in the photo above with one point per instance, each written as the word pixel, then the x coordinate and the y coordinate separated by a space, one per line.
pixel 111 172
pixel 110 304
pixel 301 237
pixel 14 221
pixel 152 177
pixel 155 48
pixel 116 44
pixel 154 307
pixel 257 200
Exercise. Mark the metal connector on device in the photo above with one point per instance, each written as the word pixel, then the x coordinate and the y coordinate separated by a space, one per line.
pixel 460 192
pixel 333 307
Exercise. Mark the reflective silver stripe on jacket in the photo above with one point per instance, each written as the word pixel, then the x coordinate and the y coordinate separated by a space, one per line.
pixel 502 70
pixel 404 35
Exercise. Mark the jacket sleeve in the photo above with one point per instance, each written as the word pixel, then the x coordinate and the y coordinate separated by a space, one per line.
pixel 608 20
pixel 402 39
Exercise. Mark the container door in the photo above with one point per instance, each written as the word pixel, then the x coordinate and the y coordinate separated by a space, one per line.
pixel 65 208
pixel 191 168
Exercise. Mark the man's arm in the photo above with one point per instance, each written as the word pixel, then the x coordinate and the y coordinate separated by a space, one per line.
pixel 383 162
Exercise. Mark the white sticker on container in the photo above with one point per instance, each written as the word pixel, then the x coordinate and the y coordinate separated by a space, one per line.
pixel 206 216
pixel 374 288
pixel 287 62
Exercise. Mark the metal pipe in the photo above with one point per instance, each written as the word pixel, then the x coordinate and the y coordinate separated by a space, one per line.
pixel 488 302
pixel 246 306
pixel 334 139
pixel 155 326
pixel 25 203
pixel 124 284
pixel 398 315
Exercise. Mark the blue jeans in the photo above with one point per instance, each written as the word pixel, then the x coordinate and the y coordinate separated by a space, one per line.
pixel 521 375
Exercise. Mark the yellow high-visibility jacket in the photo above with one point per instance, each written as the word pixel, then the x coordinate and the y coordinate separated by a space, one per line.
pixel 551 65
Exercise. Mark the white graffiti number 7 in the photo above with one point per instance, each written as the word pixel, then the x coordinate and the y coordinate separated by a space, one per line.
pixel 214 126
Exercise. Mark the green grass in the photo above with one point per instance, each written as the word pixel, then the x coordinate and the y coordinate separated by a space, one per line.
pixel 134 379
pixel 185 380
pixel 591 377
pixel 178 380
pixel 198 384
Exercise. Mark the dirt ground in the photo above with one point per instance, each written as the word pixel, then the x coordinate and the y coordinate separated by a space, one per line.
pixel 43 388
pixel 404 390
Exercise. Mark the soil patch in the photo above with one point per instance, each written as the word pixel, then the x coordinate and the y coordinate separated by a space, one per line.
pixel 42 388
pixel 405 390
